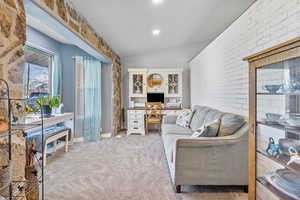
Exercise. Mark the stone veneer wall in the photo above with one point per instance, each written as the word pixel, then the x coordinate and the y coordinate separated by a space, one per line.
pixel 66 14
pixel 12 41
pixel 117 98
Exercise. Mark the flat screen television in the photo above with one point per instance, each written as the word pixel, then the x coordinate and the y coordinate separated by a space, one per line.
pixel 156 97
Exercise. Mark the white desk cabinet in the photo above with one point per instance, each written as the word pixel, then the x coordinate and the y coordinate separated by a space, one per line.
pixel 136 119
pixel 136 122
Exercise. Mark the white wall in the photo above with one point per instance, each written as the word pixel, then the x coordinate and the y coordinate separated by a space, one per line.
pixel 219 76
pixel 168 58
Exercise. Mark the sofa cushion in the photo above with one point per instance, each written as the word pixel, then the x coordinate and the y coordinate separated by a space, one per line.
pixel 230 123
pixel 198 117
pixel 184 118
pixel 208 130
pixel 175 129
pixel 213 115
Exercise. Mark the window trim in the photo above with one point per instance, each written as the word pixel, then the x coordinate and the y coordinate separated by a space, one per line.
pixel 51 57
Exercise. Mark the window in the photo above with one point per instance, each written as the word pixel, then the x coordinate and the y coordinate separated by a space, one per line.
pixel 38 72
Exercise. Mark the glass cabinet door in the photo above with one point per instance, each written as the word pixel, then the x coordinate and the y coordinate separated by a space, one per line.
pixel 138 84
pixel 174 85
pixel 278 130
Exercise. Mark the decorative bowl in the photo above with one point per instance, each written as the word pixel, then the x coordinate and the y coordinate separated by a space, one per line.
pixel 286 181
pixel 272 88
pixel 273 116
pixel 293 122
pixel 285 144
pixel 295 82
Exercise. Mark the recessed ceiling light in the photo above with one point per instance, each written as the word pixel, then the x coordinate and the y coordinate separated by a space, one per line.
pixel 155 32
pixel 156 2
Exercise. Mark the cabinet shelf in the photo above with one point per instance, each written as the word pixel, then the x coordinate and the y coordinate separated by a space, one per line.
pixel 272 189
pixel 281 127
pixel 277 94
pixel 270 94
pixel 281 160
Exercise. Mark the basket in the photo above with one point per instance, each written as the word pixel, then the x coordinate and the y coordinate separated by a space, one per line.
pixel 5 177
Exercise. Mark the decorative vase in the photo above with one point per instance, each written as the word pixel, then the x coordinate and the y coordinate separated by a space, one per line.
pixel 46 110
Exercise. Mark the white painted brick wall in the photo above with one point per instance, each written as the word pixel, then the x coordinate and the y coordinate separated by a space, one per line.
pixel 219 76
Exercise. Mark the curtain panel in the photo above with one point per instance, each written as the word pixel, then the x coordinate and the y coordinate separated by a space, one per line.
pixel 87 98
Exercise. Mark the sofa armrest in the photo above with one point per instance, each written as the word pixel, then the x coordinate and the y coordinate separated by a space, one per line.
pixel 169 119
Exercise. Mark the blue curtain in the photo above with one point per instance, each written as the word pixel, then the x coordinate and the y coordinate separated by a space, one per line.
pixel 56 82
pixel 92 99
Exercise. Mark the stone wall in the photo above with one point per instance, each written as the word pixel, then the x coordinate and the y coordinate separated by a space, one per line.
pixel 117 98
pixel 66 14
pixel 12 40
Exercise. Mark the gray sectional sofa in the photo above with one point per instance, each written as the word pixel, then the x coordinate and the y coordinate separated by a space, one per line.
pixel 220 160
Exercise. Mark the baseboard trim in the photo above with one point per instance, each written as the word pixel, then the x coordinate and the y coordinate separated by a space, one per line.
pixel 79 139
pixel 106 135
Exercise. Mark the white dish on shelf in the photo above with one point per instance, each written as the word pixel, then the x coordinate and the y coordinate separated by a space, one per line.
pixel 288 126
pixel 270 122
pixel 285 181
pixel 293 122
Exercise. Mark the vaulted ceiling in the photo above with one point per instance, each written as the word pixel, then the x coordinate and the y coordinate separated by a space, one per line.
pixel 127 24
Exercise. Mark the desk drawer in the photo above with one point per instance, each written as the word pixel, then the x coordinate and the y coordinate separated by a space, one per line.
pixel 136 112
pixel 171 112
pixel 136 125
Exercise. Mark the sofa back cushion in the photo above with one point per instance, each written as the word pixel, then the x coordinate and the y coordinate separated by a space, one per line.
pixel 213 115
pixel 198 118
pixel 230 123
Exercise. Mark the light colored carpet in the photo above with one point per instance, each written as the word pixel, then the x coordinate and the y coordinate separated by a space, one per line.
pixel 127 168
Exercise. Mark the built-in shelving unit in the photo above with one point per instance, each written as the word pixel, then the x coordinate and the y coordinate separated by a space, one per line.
pixel 164 81
pixel 12 189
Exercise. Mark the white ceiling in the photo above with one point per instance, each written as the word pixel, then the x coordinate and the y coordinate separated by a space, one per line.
pixel 127 25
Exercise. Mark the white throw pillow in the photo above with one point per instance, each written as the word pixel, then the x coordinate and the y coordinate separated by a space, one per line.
pixel 184 118
pixel 199 132
pixel 208 130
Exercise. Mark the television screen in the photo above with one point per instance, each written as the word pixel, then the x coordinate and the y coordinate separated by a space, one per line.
pixel 156 97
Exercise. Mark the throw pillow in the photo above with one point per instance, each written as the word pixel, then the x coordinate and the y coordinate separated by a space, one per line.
pixel 208 130
pixel 184 118
pixel 230 123
pixel 199 132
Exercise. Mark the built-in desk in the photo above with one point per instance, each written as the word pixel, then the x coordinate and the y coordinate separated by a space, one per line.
pixel 136 119
pixel 144 108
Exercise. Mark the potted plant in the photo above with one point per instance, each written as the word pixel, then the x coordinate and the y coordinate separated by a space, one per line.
pixel 54 103
pixel 48 103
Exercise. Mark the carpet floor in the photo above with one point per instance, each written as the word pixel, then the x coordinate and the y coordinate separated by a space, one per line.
pixel 127 168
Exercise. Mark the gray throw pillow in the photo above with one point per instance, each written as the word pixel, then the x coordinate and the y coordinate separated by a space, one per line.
pixel 230 123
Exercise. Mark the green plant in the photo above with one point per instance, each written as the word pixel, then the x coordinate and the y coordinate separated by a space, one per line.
pixel 53 102
pixel 44 100
pixel 35 108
